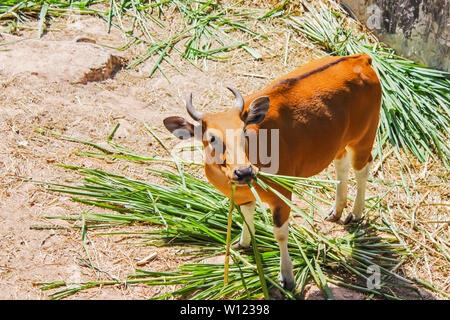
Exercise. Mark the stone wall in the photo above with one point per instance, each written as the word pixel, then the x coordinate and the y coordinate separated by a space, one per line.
pixel 417 29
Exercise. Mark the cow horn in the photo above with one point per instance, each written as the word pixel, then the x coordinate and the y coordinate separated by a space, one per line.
pixel 196 115
pixel 239 98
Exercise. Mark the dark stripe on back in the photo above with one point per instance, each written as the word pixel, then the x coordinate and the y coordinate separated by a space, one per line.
pixel 292 81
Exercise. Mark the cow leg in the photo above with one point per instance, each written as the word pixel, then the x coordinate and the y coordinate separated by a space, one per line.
pixel 361 164
pixel 248 211
pixel 281 233
pixel 342 166
pixel 358 207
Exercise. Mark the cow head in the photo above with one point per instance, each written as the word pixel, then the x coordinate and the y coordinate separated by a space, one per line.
pixel 223 135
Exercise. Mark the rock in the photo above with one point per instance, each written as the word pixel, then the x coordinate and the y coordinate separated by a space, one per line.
pixel 417 29
pixel 312 292
pixel 78 61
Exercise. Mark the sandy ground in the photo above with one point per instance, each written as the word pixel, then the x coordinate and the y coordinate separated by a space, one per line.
pixel 29 254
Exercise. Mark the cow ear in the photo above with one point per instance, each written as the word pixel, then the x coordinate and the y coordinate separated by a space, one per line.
pixel 180 128
pixel 257 110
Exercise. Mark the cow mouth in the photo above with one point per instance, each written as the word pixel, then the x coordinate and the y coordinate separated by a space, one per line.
pixel 244 182
pixel 244 175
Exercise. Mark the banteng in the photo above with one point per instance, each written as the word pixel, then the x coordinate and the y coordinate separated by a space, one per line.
pixel 325 110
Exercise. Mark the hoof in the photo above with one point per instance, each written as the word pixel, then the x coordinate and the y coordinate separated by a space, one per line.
pixel 287 284
pixel 332 217
pixel 236 245
pixel 352 219
pixel 287 280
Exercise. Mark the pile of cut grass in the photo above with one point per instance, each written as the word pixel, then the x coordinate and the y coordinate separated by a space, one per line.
pixel 193 214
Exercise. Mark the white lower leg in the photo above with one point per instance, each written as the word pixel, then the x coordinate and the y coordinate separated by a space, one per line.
pixel 286 273
pixel 248 211
pixel 361 180
pixel 342 168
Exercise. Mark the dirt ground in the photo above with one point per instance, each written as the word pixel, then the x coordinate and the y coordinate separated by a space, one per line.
pixel 30 254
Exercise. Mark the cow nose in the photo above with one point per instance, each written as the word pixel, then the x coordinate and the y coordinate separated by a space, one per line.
pixel 244 174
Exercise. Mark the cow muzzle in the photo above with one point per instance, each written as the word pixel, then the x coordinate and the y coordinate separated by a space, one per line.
pixel 244 175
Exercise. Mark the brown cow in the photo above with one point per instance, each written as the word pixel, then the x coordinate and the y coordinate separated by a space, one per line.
pixel 325 110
